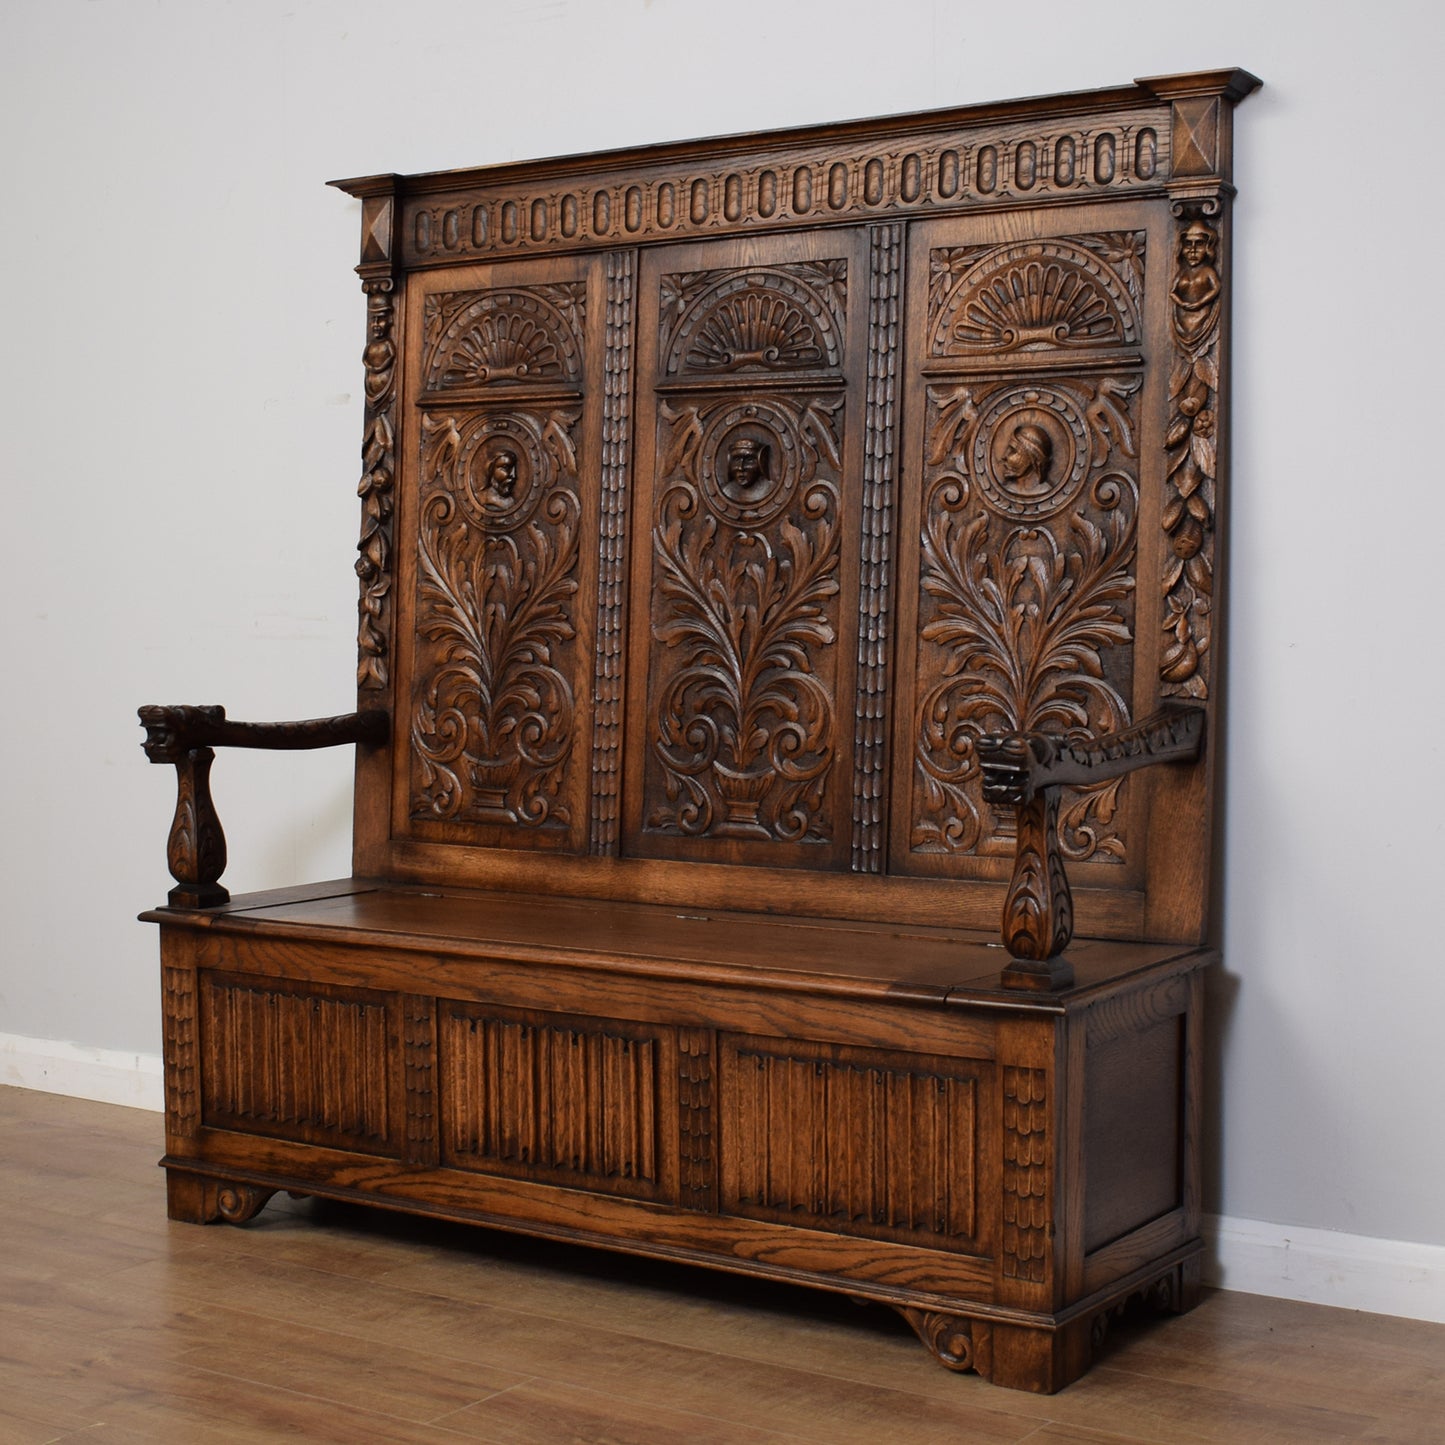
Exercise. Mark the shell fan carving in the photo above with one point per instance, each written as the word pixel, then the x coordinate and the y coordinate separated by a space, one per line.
pixel 500 336
pixel 1037 296
pixel 758 320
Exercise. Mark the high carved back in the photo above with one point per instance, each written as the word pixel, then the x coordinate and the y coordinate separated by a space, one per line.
pixel 728 508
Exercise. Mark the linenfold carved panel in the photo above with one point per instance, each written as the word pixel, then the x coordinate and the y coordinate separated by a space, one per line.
pixel 849 1140
pixel 746 536
pixel 312 1066
pixel 573 1098
pixel 492 725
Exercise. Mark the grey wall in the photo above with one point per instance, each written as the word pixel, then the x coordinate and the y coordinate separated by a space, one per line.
pixel 181 410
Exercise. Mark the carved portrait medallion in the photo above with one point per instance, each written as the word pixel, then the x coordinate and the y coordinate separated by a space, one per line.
pixel 748 463
pixel 502 470
pixel 1030 452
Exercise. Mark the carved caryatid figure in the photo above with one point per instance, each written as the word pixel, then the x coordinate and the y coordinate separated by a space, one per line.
pixel 380 354
pixel 1196 288
pixel 1025 463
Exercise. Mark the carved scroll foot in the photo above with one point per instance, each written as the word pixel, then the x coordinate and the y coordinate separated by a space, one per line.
pixel 948 1338
pixel 192 1200
pixel 239 1203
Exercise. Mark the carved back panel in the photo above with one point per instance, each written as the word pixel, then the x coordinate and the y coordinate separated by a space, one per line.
pixel 718 497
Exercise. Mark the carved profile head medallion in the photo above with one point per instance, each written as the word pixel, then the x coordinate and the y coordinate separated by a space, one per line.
pixel 1030 452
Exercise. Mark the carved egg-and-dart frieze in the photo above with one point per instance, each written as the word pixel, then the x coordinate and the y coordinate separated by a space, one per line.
pixel 1026 605
pixel 746 544
pixel 507 334
pixel 492 724
pixel 765 318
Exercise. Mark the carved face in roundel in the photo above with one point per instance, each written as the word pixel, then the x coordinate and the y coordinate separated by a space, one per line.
pixel 748 467
pixel 1026 459
pixel 501 475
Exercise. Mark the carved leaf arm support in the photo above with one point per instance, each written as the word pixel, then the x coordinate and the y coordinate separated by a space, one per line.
pixel 1027 770
pixel 186 736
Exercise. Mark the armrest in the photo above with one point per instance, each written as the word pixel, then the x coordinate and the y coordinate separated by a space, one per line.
pixel 1026 771
pixel 185 736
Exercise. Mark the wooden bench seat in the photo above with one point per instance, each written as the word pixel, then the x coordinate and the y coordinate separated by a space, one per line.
pixel 787 725
pixel 760 951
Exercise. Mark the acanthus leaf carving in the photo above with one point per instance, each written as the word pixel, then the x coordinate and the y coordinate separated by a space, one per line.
pixel 492 730
pixel 746 547
pixel 1026 609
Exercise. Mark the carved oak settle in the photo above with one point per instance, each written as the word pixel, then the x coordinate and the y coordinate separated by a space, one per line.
pixel 781 557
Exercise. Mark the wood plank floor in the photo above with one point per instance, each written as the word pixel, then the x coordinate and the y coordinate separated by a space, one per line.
pixel 332 1323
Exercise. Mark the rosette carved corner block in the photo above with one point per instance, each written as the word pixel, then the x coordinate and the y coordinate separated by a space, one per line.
pixel 1026 771
pixel 188 736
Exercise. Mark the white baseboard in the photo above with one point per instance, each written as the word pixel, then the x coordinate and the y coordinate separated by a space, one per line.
pixel 109 1076
pixel 1320 1266
pixel 1317 1266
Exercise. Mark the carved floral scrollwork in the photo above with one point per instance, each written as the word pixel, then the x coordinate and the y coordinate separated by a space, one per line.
pixel 746 547
pixel 378 457
pixel 1032 615
pixel 1192 456
pixel 492 730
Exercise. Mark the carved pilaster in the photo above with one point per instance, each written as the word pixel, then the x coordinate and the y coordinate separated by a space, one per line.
pixel 611 599
pixel 885 268
pixel 378 480
pixel 1026 1212
pixel 697 1187
pixel 419 1066
pixel 1191 445
pixel 182 1075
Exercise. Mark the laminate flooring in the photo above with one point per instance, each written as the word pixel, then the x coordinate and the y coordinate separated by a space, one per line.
pixel 326 1322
